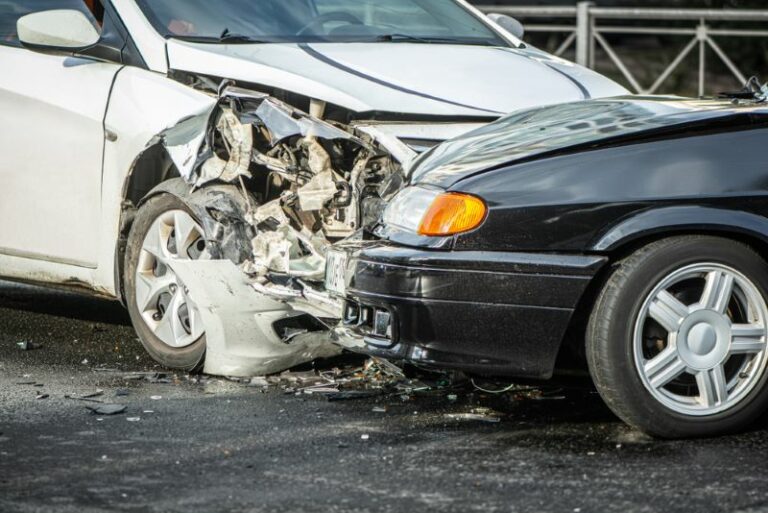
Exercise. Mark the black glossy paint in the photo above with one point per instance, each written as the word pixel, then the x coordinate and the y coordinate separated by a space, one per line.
pixel 489 313
pixel 574 202
pixel 574 127
pixel 563 184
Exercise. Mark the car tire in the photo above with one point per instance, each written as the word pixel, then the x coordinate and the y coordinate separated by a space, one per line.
pixel 667 307
pixel 168 348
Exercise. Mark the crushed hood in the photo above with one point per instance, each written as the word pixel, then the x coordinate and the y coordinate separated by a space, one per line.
pixel 407 78
pixel 558 129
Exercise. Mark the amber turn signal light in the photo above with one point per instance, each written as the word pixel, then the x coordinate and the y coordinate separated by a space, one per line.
pixel 453 213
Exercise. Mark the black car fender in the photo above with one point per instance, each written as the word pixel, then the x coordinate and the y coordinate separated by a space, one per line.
pixel 681 219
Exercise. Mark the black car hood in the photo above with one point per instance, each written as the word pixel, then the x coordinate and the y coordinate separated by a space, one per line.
pixel 535 133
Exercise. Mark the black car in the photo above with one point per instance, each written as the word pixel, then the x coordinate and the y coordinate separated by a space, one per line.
pixel 630 232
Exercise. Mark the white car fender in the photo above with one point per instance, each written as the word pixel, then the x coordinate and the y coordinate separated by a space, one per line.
pixel 142 106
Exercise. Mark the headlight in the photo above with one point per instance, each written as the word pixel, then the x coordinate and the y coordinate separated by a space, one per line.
pixel 435 213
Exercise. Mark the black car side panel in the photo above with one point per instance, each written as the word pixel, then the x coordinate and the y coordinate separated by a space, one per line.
pixel 580 202
pixel 685 219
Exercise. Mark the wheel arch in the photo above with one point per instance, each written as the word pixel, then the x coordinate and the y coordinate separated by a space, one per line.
pixel 215 205
pixel 151 169
pixel 666 221
pixel 632 234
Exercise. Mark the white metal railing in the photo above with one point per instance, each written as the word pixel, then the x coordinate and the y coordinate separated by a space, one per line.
pixel 585 25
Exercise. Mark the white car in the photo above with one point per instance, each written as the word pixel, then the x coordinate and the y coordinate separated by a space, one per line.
pixel 158 151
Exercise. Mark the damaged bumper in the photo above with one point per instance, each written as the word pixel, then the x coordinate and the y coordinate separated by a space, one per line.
pixel 498 314
pixel 273 188
pixel 247 333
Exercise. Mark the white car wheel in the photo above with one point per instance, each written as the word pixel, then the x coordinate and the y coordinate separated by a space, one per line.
pixel 161 297
pixel 166 319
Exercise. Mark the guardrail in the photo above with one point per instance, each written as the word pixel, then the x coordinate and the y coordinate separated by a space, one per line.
pixel 592 23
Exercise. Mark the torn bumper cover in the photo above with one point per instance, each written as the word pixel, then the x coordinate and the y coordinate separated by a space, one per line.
pixel 247 332
pixel 274 189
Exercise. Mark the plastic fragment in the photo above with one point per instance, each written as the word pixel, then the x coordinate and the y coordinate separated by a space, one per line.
pixel 108 409
pixel 28 346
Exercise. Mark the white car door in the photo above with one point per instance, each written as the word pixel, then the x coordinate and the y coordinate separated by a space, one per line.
pixel 52 111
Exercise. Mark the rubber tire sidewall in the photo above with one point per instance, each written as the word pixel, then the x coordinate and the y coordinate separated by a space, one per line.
pixel 188 358
pixel 610 336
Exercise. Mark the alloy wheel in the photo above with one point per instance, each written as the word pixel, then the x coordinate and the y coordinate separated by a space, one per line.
pixel 162 299
pixel 700 339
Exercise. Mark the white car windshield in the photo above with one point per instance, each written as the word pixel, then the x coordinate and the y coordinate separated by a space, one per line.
pixel 295 21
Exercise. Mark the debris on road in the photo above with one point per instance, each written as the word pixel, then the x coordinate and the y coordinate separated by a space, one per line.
pixel 90 397
pixel 28 346
pixel 376 377
pixel 353 394
pixel 477 414
pixel 107 409
pixel 150 377
pixel 259 381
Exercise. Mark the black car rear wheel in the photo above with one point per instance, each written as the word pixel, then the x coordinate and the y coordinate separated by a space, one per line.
pixel 676 342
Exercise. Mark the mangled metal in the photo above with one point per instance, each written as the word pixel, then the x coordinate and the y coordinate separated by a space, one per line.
pixel 274 188
pixel 238 139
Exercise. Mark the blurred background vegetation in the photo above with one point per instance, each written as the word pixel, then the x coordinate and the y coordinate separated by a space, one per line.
pixel 648 56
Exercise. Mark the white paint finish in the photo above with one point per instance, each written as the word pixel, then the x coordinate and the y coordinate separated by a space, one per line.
pixel 150 44
pixel 29 270
pixel 60 28
pixel 52 109
pixel 599 86
pixel 143 105
pixel 428 131
pixel 397 148
pixel 472 80
pixel 238 322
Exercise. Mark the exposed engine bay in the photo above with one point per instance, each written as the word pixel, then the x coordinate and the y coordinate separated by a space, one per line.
pixel 314 184
pixel 302 184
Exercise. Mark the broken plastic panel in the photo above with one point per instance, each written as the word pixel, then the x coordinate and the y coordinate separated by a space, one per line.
pixel 302 185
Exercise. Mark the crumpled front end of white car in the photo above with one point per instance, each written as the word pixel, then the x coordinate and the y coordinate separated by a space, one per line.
pixel 274 188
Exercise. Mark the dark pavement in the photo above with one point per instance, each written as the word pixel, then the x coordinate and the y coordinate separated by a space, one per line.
pixel 210 445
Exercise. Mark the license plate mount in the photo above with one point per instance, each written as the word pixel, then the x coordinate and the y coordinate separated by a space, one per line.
pixel 336 272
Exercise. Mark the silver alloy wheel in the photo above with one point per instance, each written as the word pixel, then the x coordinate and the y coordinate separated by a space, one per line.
pixel 161 298
pixel 700 339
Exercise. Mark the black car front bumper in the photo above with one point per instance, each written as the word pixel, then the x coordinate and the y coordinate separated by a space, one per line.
pixel 491 313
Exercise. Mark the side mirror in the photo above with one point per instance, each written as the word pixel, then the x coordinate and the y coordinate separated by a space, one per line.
pixel 509 24
pixel 61 30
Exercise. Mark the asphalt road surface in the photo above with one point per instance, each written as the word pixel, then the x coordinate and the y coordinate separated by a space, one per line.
pixel 207 445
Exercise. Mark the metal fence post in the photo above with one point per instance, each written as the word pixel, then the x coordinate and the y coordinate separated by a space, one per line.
pixel 701 34
pixel 584 33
